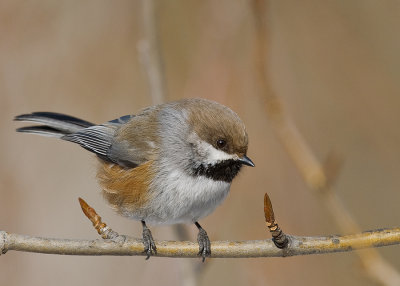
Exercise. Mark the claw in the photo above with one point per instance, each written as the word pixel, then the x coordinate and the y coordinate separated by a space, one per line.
pixel 204 243
pixel 148 242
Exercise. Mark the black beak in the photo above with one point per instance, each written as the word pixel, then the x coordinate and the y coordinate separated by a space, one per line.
pixel 246 161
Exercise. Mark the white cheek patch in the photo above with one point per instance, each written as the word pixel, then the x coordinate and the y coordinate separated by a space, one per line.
pixel 212 155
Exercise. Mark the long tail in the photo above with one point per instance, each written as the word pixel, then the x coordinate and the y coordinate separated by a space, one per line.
pixel 94 138
pixel 53 124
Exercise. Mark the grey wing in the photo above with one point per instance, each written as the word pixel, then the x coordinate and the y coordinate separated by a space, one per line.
pixel 96 139
pixel 99 139
pixel 136 142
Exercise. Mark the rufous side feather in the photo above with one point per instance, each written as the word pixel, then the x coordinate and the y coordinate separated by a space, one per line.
pixel 126 190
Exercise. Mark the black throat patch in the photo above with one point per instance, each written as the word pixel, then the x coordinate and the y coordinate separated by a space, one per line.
pixel 222 171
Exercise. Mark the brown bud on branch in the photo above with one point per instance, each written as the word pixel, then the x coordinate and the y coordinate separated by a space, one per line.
pixel 280 239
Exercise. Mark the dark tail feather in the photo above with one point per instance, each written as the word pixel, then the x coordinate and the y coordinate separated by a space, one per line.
pixel 54 124
pixel 42 130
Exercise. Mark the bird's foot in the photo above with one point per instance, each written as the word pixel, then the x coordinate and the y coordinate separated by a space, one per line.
pixel 148 242
pixel 204 244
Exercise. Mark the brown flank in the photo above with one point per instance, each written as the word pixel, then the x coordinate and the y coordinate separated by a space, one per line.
pixel 126 190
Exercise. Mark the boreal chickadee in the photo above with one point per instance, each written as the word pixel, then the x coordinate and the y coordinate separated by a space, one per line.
pixel 170 163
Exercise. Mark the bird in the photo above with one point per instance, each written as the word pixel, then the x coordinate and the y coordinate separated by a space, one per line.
pixel 170 163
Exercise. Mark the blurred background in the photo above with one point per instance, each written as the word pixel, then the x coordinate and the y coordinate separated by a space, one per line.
pixel 334 64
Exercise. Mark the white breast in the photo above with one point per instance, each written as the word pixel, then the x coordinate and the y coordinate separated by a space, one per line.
pixel 183 198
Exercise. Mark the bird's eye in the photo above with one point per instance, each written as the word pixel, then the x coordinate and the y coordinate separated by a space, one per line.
pixel 221 143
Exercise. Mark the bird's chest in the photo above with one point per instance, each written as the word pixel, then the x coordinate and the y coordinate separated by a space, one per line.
pixel 180 197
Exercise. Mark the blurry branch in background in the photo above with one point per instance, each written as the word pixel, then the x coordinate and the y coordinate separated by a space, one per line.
pixel 314 173
pixel 150 56
pixel 115 244
pixel 150 53
pixel 151 60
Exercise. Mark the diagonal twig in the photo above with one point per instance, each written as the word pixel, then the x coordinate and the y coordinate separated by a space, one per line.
pixel 313 172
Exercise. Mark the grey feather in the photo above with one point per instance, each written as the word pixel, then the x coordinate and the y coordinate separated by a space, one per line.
pixel 121 120
pixel 62 122
pixel 97 139
pixel 100 138
pixel 41 130
pixel 123 154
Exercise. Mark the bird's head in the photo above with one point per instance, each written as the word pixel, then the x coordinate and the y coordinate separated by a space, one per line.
pixel 218 140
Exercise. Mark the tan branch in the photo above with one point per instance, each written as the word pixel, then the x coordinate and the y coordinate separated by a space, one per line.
pixel 115 244
pixel 220 249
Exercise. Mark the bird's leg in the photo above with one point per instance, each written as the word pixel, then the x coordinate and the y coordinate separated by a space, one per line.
pixel 148 242
pixel 204 242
